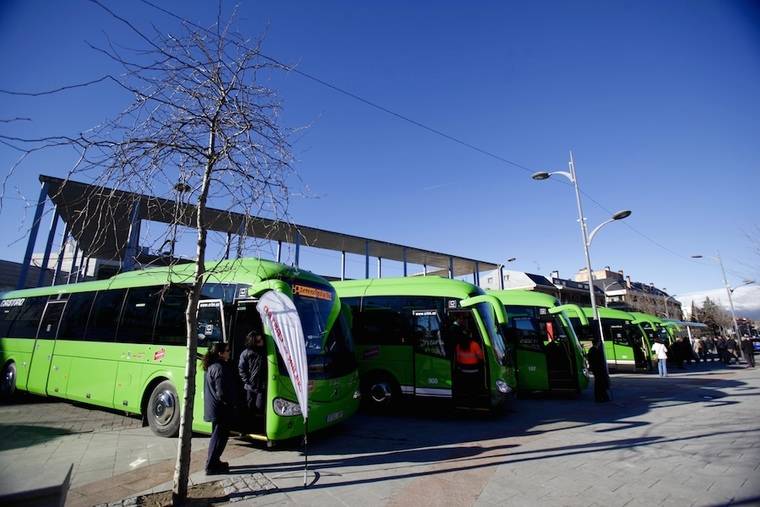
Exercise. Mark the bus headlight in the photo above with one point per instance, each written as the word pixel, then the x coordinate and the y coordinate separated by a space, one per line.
pixel 502 386
pixel 357 394
pixel 284 407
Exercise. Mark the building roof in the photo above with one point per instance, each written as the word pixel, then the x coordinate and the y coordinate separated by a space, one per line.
pixel 99 221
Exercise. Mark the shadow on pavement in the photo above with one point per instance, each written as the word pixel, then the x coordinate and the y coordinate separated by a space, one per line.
pixel 17 436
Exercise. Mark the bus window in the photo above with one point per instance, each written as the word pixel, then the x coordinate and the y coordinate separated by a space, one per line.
pixel 138 315
pixel 28 319
pixel 618 335
pixel 210 322
pixel 170 325
pixel 104 317
pixel 378 322
pixel 50 320
pixel 74 320
pixel 427 333
pixel 9 309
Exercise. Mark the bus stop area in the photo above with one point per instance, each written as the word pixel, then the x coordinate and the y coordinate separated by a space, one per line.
pixel 690 439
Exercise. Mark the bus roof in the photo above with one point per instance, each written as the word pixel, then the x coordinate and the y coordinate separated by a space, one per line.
pixel 608 313
pixel 524 298
pixel 246 270
pixel 408 286
pixel 646 317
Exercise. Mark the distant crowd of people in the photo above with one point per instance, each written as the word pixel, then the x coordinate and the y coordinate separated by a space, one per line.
pixel 722 349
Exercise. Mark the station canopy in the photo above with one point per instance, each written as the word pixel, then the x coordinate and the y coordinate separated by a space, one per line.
pixel 99 219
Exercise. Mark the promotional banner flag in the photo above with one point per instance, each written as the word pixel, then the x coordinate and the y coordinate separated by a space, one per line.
pixel 280 313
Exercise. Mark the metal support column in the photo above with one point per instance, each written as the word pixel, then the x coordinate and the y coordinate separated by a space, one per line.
pixel 366 258
pixel 241 240
pixel 298 247
pixel 451 267
pixel 73 262
pixel 61 251
pixel 32 236
pixel 227 245
pixel 404 254
pixel 476 274
pixel 79 268
pixel 130 252
pixel 279 251
pixel 343 265
pixel 48 248
pixel 424 269
pixel 379 267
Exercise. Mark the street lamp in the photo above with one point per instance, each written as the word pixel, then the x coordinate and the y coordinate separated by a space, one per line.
pixel 587 238
pixel 500 270
pixel 729 290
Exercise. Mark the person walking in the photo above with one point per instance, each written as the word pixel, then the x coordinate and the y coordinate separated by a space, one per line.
pixel 595 359
pixel 219 397
pixel 661 351
pixel 252 370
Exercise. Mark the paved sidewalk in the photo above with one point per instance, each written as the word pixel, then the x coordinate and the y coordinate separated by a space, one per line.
pixel 690 439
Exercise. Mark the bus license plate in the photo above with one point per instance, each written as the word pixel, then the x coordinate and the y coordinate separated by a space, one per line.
pixel 335 416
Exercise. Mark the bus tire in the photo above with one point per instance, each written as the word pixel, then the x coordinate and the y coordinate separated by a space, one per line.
pixel 163 411
pixel 381 392
pixel 8 382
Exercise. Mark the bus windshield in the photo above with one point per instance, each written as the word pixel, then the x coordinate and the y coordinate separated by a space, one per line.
pixel 329 351
pixel 497 340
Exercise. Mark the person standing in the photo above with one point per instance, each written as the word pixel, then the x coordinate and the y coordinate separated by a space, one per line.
pixel 219 397
pixel 469 361
pixel 252 370
pixel 749 351
pixel 661 351
pixel 595 359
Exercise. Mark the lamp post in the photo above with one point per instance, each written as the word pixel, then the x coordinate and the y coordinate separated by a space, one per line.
pixel 729 290
pixel 500 271
pixel 587 238
pixel 665 301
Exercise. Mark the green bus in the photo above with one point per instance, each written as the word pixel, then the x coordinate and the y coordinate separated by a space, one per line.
pixel 404 330
pixel 548 355
pixel 120 343
pixel 654 327
pixel 626 345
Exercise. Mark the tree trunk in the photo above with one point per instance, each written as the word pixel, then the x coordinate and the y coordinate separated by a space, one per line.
pixel 182 467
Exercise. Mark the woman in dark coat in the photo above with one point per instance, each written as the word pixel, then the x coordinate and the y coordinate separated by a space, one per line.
pixel 219 397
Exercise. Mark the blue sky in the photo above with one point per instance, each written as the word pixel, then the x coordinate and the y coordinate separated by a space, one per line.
pixel 658 101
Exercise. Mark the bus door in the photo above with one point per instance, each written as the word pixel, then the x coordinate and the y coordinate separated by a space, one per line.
pixel 246 319
pixel 638 347
pixel 469 379
pixel 44 347
pixel 621 346
pixel 559 354
pixel 432 356
pixel 529 350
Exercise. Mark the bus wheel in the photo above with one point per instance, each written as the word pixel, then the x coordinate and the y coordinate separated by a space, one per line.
pixel 8 382
pixel 163 410
pixel 381 393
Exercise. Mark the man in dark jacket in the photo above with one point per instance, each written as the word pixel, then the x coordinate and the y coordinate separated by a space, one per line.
pixel 219 398
pixel 252 370
pixel 748 351
pixel 598 367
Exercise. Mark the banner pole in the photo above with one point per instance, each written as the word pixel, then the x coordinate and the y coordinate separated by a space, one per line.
pixel 305 450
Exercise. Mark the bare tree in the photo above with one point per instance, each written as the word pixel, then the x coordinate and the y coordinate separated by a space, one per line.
pixel 201 129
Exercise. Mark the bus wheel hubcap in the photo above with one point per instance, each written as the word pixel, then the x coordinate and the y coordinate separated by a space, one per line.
pixel 380 392
pixel 164 408
pixel 8 378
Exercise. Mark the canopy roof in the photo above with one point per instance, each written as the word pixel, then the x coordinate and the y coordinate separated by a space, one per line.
pixel 99 219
